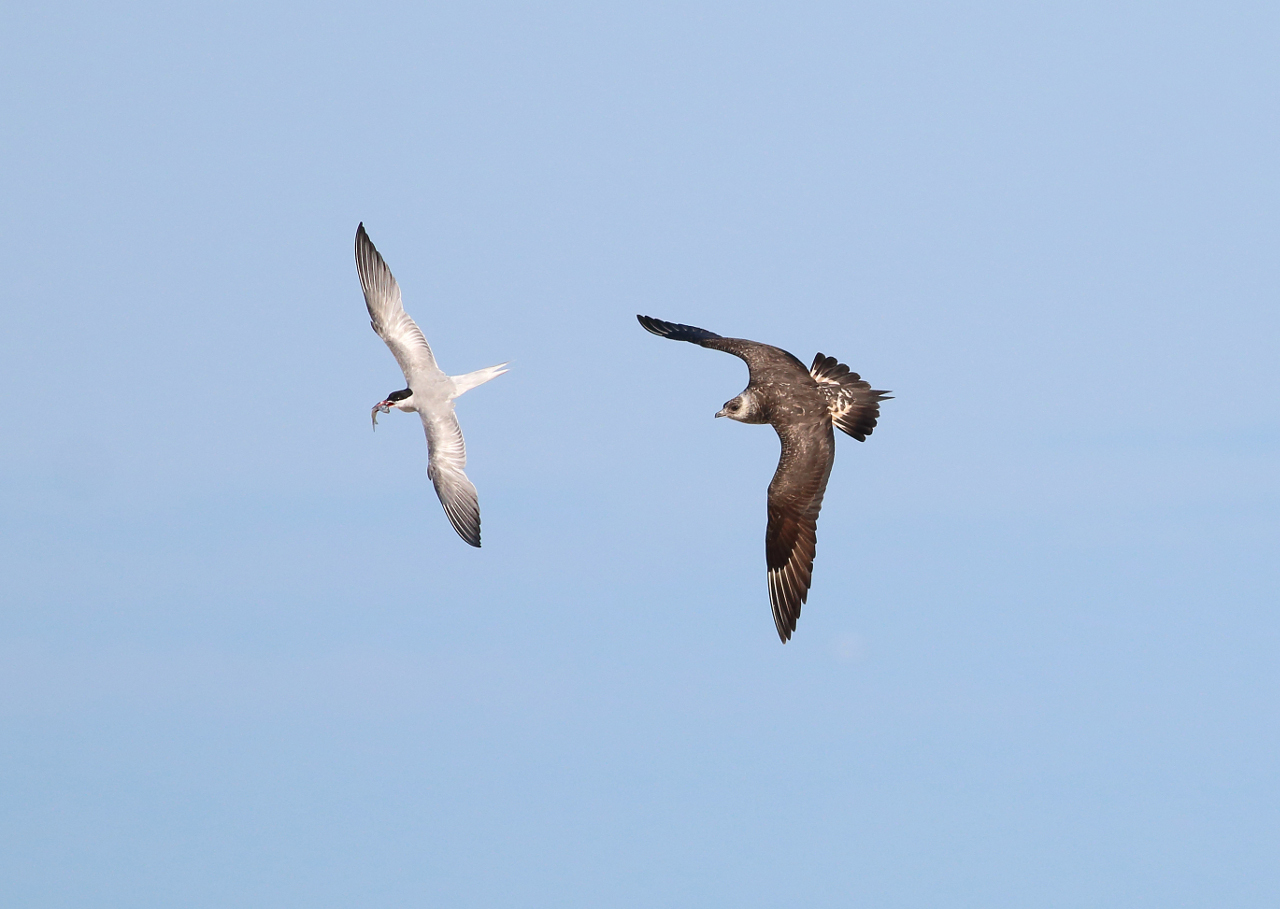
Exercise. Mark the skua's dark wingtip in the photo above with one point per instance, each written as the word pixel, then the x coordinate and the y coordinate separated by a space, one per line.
pixel 675 330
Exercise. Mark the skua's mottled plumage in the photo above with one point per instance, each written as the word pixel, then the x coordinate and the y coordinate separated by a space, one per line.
pixel 803 405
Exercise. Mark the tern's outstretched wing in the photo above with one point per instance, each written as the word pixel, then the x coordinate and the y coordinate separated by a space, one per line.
pixel 386 311
pixel 767 363
pixel 446 458
pixel 854 405
pixel 795 498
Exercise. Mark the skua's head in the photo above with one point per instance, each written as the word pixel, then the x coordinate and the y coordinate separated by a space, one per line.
pixel 744 408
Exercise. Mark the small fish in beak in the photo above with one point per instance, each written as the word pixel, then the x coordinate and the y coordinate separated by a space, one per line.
pixel 380 407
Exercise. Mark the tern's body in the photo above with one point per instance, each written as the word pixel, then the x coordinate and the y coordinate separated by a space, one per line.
pixel 430 392
pixel 803 405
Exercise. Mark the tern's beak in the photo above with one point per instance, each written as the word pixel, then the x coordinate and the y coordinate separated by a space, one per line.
pixel 721 413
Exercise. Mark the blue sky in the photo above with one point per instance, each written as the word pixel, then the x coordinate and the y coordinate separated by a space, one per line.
pixel 245 661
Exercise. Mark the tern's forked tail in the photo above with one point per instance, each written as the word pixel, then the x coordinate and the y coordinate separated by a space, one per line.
pixel 479 377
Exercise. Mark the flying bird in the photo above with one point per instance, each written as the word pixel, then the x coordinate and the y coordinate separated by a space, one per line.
pixel 802 405
pixel 430 393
